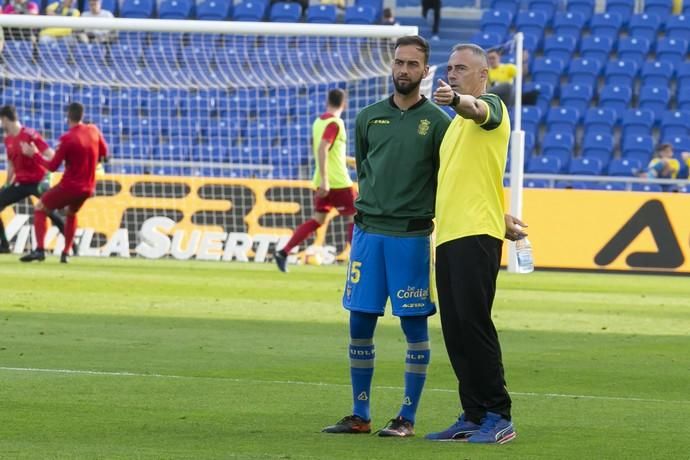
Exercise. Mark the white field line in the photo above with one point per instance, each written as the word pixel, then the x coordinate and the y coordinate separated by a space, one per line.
pixel 322 384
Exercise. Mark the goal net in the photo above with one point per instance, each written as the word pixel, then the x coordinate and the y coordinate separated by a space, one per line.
pixel 208 123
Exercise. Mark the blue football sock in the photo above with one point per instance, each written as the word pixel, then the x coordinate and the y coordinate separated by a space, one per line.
pixel 362 355
pixel 416 363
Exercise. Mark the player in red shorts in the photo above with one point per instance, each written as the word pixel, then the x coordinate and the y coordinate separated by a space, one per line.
pixel 81 148
pixel 331 178
pixel 25 176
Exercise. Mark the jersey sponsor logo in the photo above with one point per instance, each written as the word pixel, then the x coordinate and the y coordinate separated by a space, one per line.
pixel 412 293
pixel 413 305
pixel 423 127
pixel 379 122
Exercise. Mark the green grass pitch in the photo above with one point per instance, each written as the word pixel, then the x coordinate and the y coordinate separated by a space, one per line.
pixel 128 359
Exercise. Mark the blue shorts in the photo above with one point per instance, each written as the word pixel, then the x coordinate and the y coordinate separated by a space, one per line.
pixel 394 267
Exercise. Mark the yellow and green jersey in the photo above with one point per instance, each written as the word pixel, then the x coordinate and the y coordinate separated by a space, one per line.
pixel 338 177
pixel 470 179
pixel 397 161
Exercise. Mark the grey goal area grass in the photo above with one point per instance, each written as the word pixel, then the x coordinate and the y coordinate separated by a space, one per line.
pixel 112 358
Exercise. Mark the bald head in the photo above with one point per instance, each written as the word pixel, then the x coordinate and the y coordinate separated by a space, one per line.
pixel 468 69
pixel 475 50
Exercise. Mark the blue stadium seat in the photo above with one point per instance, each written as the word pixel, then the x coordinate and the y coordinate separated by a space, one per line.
pixel 599 48
pixel 562 119
pixel 175 9
pixel 683 98
pixel 531 23
pixel 530 144
pixel 214 10
pixel 638 187
pixel 610 186
pixel 624 8
pixel 486 40
pixel 548 7
pixel 655 99
pixel 600 120
pixel 250 11
pixel 680 143
pixel 569 24
pixel 656 73
pixel 622 73
pixel 644 26
pixel 598 145
pixel 559 47
pixel 671 50
pixel 585 166
pixel 360 15
pixel 683 75
pixel 505 5
pixel 560 145
pixel 137 8
pixel 537 183
pixel 686 8
pixel 496 22
pixel 285 12
pixel 606 25
pixel 624 167
pixel 531 43
pixel 544 164
pixel 637 121
pixel 576 96
pixel 661 8
pixel 615 97
pixel 545 91
pixel 639 146
pixel 678 27
pixel 584 71
pixel 583 7
pixel 531 118
pixel 322 14
pixel 377 5
pixel 547 70
pixel 633 49
pixel 575 185
pixel 675 123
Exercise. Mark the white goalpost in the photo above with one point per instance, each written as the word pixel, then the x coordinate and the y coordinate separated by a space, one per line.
pixel 208 123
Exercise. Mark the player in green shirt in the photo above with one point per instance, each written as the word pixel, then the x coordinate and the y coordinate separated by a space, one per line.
pixel 331 177
pixel 397 153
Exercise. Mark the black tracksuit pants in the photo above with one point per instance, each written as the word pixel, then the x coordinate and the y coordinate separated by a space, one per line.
pixel 17 192
pixel 466 272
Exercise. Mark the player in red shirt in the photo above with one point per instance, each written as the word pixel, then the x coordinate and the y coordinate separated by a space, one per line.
pixel 25 176
pixel 81 148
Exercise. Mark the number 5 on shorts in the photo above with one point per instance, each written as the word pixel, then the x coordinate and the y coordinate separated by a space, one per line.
pixel 355 272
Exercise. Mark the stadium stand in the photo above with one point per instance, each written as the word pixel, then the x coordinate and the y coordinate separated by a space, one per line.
pixel 611 85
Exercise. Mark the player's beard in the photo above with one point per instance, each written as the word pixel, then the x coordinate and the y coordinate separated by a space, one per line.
pixel 406 87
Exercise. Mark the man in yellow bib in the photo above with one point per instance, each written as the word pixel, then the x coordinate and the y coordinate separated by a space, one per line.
pixel 470 229
pixel 331 177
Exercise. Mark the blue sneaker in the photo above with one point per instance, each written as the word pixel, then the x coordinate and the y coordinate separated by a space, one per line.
pixel 458 431
pixel 494 430
pixel 281 260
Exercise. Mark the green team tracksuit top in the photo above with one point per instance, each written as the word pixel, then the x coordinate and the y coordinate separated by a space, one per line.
pixel 397 155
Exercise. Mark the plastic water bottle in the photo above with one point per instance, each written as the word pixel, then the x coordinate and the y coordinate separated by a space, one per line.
pixel 525 262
